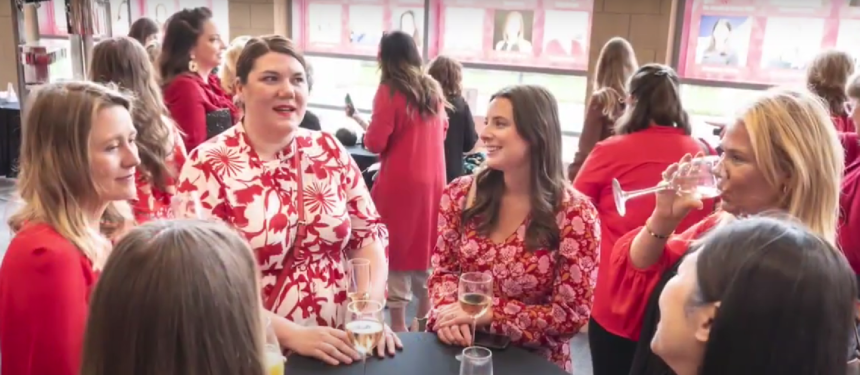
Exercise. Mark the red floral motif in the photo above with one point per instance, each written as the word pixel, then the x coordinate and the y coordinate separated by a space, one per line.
pixel 541 298
pixel 152 202
pixel 259 199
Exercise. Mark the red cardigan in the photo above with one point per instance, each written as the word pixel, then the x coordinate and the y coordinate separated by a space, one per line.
pixel 45 285
pixel 189 99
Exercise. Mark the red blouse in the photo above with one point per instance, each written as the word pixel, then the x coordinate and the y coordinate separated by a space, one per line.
pixel 625 293
pixel 541 298
pixel 844 123
pixel 45 285
pixel 152 202
pixel 849 216
pixel 189 98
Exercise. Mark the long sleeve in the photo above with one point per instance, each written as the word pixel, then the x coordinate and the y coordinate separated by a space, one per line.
pixel 442 284
pixel 184 100
pixel 197 177
pixel 592 132
pixel 569 305
pixel 595 174
pixel 381 121
pixel 470 136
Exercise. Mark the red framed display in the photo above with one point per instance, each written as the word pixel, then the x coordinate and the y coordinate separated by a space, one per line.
pixel 768 42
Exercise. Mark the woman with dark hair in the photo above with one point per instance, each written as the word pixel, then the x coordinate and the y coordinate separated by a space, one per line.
pixel 653 133
pixel 407 130
pixel 190 51
pixel 298 198
pixel 758 296
pixel 519 221
pixel 461 136
pixel 144 30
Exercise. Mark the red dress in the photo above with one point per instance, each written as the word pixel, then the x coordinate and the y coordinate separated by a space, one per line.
pixel 189 98
pixel 45 285
pixel 259 199
pixel 152 202
pixel 541 298
pixel 849 215
pixel 411 177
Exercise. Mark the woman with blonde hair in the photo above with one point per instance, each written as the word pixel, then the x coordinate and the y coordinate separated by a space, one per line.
pixel 124 62
pixel 78 155
pixel 227 71
pixel 827 77
pixel 615 65
pixel 781 154
pixel 177 297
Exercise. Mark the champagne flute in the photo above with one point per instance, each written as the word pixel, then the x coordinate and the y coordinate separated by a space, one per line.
pixel 475 292
pixel 186 206
pixel 274 358
pixel 476 361
pixel 698 177
pixel 358 277
pixel 365 325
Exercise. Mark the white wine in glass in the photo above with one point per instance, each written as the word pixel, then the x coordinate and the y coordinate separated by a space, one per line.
pixel 358 278
pixel 365 325
pixel 475 294
pixel 698 177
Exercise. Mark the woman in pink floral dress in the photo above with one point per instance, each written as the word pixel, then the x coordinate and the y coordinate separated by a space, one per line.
pixel 520 222
pixel 298 198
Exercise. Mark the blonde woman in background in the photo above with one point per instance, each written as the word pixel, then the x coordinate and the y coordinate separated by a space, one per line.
pixel 227 71
pixel 153 50
pixel 615 65
pixel 827 77
pixel 78 155
pixel 177 297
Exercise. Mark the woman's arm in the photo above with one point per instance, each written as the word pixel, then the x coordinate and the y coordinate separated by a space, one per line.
pixel 592 130
pixel 442 284
pixel 381 121
pixel 196 185
pixel 185 103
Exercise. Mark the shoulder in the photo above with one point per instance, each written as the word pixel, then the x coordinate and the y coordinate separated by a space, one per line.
pixel 456 191
pixel 576 205
pixel 217 146
pixel 40 247
pixel 183 85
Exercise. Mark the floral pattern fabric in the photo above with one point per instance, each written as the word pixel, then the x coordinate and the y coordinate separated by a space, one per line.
pixel 152 202
pixel 259 198
pixel 541 298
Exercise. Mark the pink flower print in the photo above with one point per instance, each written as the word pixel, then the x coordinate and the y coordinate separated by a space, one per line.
pixel 470 249
pixel 500 270
pixel 529 282
pixel 517 270
pixel 543 264
pixel 508 252
pixel 511 288
pixel 578 225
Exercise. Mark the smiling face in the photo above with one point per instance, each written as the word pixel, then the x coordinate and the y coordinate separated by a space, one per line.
pixel 744 190
pixel 276 91
pixel 208 50
pixel 113 154
pixel 506 148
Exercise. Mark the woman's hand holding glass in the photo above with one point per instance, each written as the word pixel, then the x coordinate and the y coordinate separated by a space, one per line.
pixel 684 193
pixel 330 345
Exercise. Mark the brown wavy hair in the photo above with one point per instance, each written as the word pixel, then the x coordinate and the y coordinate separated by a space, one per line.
pixel 125 62
pixel 449 73
pixel 615 65
pixel 401 66
pixel 536 120
pixel 827 76
pixel 853 87
pixel 142 29
pixel 656 93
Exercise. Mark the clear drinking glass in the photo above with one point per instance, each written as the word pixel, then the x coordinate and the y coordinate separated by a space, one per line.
pixel 275 360
pixel 365 325
pixel 475 293
pixel 358 279
pixel 186 206
pixel 698 176
pixel 476 361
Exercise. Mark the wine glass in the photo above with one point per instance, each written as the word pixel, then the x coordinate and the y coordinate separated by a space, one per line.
pixel 476 361
pixel 365 326
pixel 358 279
pixel 186 206
pixel 275 359
pixel 475 292
pixel 698 176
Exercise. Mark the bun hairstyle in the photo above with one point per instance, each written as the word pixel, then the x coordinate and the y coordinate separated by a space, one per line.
pixel 827 76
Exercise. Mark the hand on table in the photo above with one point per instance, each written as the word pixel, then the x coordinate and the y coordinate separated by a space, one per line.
pixel 458 334
pixel 454 326
pixel 328 344
pixel 388 343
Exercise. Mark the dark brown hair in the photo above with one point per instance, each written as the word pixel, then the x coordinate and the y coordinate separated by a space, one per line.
pixel 827 77
pixel 616 63
pixel 179 297
pixel 536 120
pixel 259 46
pixel 401 64
pixel 656 100
pixel 142 29
pixel 853 87
pixel 182 30
pixel 126 63
pixel 449 73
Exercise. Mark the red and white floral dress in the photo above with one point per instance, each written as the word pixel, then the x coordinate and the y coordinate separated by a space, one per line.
pixel 153 202
pixel 541 298
pixel 259 198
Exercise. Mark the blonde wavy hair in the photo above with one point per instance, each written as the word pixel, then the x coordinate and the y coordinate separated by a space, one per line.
pixel 615 66
pixel 55 183
pixel 792 135
pixel 227 72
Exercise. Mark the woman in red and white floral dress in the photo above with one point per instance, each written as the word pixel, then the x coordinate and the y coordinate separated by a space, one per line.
pixel 520 222
pixel 248 177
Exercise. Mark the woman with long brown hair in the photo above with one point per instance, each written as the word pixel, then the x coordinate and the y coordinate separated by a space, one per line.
pixel 407 130
pixel 123 62
pixel 461 136
pixel 827 77
pixel 615 65
pixel 519 221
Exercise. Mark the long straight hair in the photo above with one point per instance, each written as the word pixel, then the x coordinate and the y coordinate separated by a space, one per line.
pixel 615 65
pixel 401 67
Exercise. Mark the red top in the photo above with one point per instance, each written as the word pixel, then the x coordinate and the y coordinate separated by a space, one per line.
pixel 843 123
pixel 851 144
pixel 541 298
pixel 636 167
pixel 411 177
pixel 45 285
pixel 189 99
pixel 849 216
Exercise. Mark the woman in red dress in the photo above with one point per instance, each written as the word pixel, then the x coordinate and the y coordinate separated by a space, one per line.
pixel 827 77
pixel 190 51
pixel 77 156
pixel 124 62
pixel 522 223
pixel 407 130
pixel 297 197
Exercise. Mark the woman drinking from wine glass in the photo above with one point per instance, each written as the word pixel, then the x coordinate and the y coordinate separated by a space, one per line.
pixel 298 198
pixel 782 153
pixel 518 240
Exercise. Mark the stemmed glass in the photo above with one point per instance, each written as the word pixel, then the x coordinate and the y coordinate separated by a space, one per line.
pixel 275 359
pixel 475 292
pixel 364 325
pixel 358 278
pixel 476 361
pixel 698 176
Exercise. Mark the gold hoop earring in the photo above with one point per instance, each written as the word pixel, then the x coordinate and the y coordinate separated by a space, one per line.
pixel 192 66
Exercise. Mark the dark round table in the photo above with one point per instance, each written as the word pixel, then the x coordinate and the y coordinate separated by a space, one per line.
pixel 424 354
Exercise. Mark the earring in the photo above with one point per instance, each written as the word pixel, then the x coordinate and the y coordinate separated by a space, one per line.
pixel 192 65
